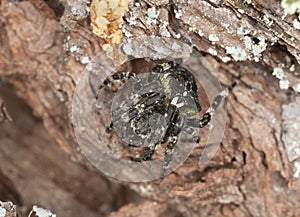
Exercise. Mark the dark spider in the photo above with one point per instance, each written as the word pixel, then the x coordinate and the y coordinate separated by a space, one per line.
pixel 158 107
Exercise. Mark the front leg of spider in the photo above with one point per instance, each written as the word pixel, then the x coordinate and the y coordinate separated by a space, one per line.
pixel 200 123
pixel 118 76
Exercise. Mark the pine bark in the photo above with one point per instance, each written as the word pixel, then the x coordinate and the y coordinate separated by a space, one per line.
pixel 42 46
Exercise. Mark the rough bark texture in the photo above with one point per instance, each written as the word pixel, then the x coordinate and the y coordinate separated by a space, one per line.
pixel 43 50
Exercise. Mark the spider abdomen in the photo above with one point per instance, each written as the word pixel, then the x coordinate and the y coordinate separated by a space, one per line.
pixel 181 87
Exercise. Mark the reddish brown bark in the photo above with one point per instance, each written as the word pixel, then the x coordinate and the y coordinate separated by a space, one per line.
pixel 253 172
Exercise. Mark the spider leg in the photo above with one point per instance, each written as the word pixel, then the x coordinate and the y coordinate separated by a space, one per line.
pixel 172 141
pixel 202 122
pixel 219 98
pixel 149 151
pixel 174 131
pixel 122 76
pixel 172 113
pixel 194 135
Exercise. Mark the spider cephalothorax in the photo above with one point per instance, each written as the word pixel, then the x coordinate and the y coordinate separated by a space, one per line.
pixel 154 108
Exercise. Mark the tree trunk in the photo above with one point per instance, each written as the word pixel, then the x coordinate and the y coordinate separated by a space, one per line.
pixel 46 45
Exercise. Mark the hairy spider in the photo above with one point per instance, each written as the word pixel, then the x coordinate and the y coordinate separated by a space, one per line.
pixel 157 108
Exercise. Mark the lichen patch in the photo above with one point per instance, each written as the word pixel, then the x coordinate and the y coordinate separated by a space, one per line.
pixel 296 24
pixel 297 171
pixel 296 88
pixel 41 212
pixel 2 212
pixel 291 127
pixel 237 53
pixel 284 84
pixel 290 6
pixel 255 49
pixel 278 73
pixel 213 38
pixel 212 51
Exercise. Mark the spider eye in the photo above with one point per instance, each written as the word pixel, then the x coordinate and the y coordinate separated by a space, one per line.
pixel 165 67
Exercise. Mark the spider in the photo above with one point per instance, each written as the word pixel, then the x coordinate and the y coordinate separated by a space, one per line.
pixel 158 107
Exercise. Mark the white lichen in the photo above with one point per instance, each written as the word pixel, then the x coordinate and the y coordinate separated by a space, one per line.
pixel 296 24
pixel 41 212
pixel 178 13
pixel 288 60
pixel 175 46
pixel 213 38
pixel 131 19
pixel 247 2
pixel 284 84
pixel 192 29
pixel 177 35
pixel 237 53
pixel 278 73
pixel 274 39
pixel 80 10
pixel 127 33
pixel 297 172
pixel 200 33
pixel 290 6
pixel 256 49
pixel 226 26
pixel 267 20
pixel 164 31
pixel 74 49
pixel 291 127
pixel 241 11
pixel 127 48
pixel 2 212
pixel 296 87
pixel 226 59
pixel 90 67
pixel 84 59
pixel 146 189
pixel 152 15
pixel 242 31
pixel 248 42
pixel 292 68
pixel 212 51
